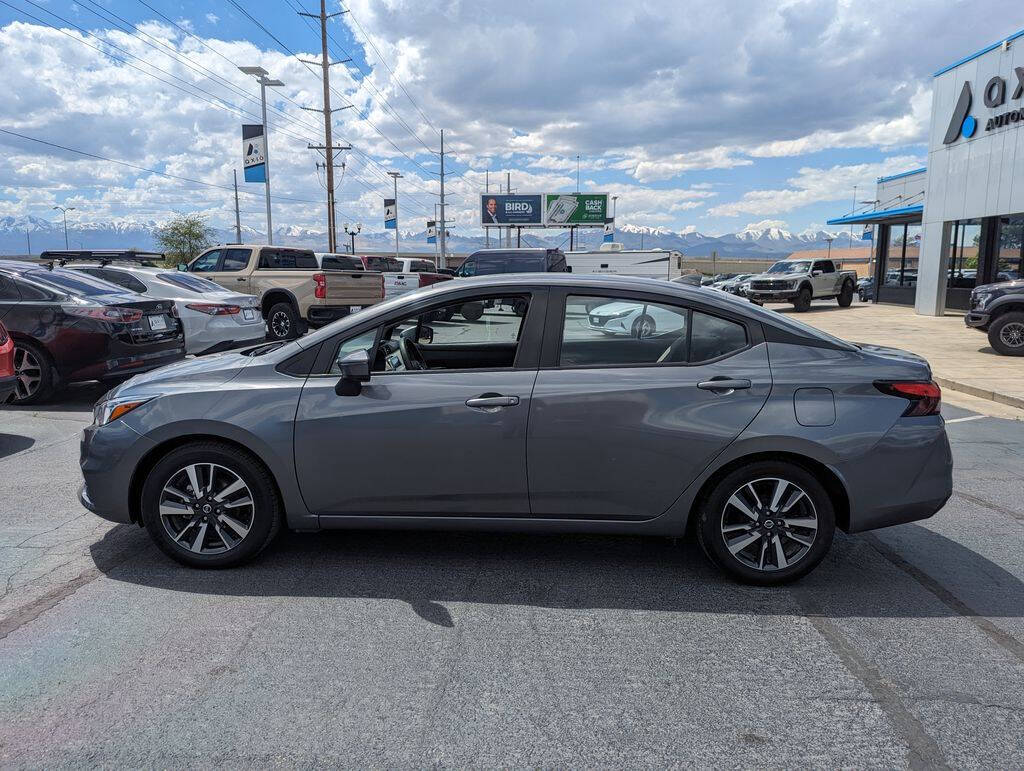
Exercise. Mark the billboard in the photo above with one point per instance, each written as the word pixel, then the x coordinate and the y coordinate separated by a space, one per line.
pixel 390 213
pixel 585 209
pixel 517 210
pixel 254 153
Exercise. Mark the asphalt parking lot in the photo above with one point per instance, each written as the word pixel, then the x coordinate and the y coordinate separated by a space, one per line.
pixel 904 648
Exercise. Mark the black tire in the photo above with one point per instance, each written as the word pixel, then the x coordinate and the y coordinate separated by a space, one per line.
pixel 472 311
pixel 1006 334
pixel 846 295
pixel 802 302
pixel 644 326
pixel 282 322
pixel 446 314
pixel 34 376
pixel 264 519
pixel 860 296
pixel 716 511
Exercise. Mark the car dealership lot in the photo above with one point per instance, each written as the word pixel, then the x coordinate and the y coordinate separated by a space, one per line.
pixel 905 647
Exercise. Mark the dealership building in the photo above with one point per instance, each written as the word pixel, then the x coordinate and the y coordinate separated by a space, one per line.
pixel 941 230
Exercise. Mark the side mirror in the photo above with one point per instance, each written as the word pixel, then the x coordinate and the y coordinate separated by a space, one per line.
pixel 425 335
pixel 355 369
pixel 183 267
pixel 568 268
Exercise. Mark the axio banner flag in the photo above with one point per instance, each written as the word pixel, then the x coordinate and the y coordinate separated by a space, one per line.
pixel 431 231
pixel 390 213
pixel 254 153
pixel 609 231
pixel 522 211
pixel 585 209
pixel 868 234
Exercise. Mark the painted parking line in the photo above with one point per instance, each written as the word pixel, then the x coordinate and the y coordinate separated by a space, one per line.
pixel 969 417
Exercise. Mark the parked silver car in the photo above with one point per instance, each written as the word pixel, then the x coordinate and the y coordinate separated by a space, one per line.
pixel 761 433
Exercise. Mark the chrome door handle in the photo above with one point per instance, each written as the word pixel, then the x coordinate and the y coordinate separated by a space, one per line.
pixel 724 385
pixel 492 401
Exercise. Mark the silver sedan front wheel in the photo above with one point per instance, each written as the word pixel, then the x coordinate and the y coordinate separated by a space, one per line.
pixel 206 508
pixel 769 524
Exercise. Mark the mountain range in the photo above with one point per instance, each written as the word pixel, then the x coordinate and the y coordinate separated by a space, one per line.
pixel 28 234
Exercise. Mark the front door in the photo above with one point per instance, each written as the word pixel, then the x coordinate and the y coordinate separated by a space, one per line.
pixel 226 267
pixel 436 430
pixel 630 413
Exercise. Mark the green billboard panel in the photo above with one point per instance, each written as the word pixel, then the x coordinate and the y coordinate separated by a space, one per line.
pixel 575 209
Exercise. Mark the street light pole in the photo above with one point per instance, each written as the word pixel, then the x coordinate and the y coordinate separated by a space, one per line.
pixel 261 77
pixel 353 233
pixel 64 211
pixel 396 176
pixel 615 198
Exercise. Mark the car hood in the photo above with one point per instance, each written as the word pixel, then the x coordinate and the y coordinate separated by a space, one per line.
pixel 188 375
pixel 1002 286
pixel 613 309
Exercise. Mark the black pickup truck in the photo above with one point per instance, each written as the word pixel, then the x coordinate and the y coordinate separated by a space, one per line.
pixel 998 309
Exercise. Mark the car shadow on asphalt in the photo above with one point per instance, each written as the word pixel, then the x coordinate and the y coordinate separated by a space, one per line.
pixel 14 443
pixel 861 577
pixel 79 397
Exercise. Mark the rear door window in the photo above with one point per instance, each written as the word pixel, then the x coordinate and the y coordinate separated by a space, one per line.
pixel 235 260
pixel 119 277
pixel 8 290
pixel 712 337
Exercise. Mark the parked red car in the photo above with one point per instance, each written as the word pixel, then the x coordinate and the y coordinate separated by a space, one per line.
pixel 6 365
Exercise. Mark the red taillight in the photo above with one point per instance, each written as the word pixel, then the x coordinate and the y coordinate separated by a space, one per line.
pixel 105 313
pixel 320 280
pixel 925 398
pixel 213 309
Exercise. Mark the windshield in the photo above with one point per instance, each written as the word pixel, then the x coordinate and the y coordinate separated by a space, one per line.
pixel 74 282
pixel 192 283
pixel 789 267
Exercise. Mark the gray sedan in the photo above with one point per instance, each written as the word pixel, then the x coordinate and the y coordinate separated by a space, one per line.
pixel 759 434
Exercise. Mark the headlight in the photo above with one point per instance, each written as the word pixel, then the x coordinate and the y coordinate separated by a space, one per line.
pixel 981 300
pixel 109 410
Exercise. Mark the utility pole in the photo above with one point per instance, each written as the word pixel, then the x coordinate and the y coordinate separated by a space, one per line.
pixel 508 191
pixel 853 211
pixel 615 199
pixel 238 218
pixel 64 211
pixel 328 146
pixel 487 189
pixel 396 176
pixel 28 238
pixel 261 77
pixel 577 172
pixel 442 233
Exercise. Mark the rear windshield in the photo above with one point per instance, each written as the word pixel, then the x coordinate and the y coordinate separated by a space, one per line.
pixel 333 262
pixel 74 282
pixel 383 264
pixel 421 266
pixel 192 283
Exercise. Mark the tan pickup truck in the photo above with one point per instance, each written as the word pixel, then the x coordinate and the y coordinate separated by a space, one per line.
pixel 290 285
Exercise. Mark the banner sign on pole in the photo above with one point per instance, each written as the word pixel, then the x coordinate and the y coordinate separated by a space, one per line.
pixel 575 209
pixel 390 213
pixel 609 231
pixel 254 152
pixel 519 210
pixel 431 231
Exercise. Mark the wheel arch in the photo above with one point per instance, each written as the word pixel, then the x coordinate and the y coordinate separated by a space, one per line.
pixel 826 476
pixel 159 451
pixel 1014 305
pixel 274 296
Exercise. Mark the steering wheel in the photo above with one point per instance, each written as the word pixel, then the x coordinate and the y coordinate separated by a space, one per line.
pixel 411 354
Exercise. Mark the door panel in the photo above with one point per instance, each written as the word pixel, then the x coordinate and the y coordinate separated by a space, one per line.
pixel 624 442
pixel 409 444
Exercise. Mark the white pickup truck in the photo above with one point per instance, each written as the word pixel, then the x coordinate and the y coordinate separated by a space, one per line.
pixel 800 281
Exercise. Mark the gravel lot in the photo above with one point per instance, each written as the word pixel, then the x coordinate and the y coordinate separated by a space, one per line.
pixel 904 648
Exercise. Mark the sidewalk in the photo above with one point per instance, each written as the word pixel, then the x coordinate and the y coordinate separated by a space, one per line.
pixel 961 358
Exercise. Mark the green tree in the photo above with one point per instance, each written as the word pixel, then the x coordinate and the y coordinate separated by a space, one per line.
pixel 183 237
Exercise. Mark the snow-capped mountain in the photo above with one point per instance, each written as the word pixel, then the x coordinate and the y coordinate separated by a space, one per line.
pixel 19 235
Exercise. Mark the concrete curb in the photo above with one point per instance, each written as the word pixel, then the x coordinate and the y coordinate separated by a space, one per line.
pixel 981 393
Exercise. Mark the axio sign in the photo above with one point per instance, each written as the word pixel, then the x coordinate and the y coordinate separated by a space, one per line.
pixel 963 124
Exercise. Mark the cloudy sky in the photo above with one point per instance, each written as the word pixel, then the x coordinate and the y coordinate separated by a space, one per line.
pixel 697 115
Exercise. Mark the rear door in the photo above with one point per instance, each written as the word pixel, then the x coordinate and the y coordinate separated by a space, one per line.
pixel 621 423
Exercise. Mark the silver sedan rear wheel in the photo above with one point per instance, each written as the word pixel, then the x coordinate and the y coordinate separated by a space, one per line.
pixel 769 524
pixel 206 508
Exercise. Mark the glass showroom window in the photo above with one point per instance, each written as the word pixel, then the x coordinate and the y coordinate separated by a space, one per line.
pixel 904 252
pixel 963 254
pixel 1010 263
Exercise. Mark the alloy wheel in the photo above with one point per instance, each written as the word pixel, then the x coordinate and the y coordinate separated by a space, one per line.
pixel 206 508
pixel 280 324
pixel 1012 334
pixel 769 524
pixel 28 373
